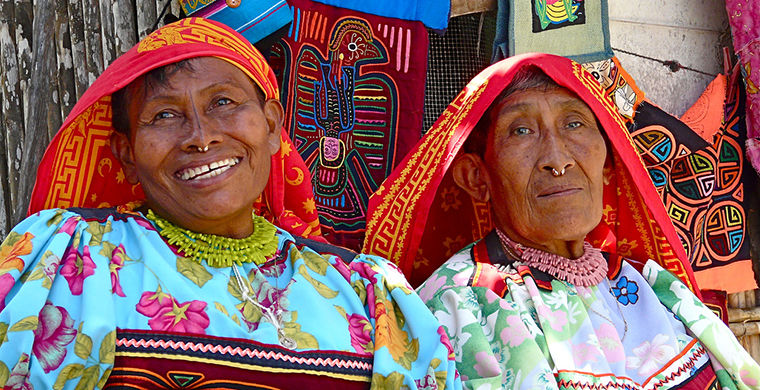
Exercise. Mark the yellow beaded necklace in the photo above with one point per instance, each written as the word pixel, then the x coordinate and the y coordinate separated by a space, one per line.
pixel 219 251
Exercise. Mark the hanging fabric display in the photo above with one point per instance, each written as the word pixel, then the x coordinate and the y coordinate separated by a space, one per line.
pixel 745 29
pixel 353 89
pixel 433 13
pixel 696 164
pixel 577 29
pixel 253 19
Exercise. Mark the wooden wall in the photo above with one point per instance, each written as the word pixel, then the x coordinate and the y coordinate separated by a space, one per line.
pixel 50 52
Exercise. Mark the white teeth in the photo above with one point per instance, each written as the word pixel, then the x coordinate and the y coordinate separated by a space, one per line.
pixel 209 170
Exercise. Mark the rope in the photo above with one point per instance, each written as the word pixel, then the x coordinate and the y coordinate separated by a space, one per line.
pixel 673 65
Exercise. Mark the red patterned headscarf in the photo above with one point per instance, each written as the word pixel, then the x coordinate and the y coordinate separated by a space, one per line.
pixel 79 170
pixel 419 217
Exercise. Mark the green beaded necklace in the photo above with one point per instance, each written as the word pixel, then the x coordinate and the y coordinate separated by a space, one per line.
pixel 219 251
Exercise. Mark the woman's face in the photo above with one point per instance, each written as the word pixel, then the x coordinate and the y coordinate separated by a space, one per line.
pixel 532 132
pixel 211 103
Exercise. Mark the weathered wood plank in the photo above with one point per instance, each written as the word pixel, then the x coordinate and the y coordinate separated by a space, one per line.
pixel 108 33
pixel 5 182
pixel 93 44
pixel 146 16
pixel 66 88
pixel 12 111
pixel 24 13
pixel 45 113
pixel 78 50
pixel 125 25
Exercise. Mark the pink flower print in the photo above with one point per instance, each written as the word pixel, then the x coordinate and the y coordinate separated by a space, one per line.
pixel 360 329
pixel 342 268
pixel 445 341
pixel 747 378
pixel 650 356
pixel 69 225
pixel 19 377
pixel 151 302
pixel 166 314
pixel 76 268
pixel 117 262
pixel 584 353
pixel 54 332
pixel 486 365
pixel 557 319
pixel 6 283
pixel 609 342
pixel 365 271
pixel 51 266
pixel 431 286
pixel 515 332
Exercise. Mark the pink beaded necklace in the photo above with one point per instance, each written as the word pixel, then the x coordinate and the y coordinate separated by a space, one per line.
pixel 588 270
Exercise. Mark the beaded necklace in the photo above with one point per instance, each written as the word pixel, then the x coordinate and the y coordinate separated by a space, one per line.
pixel 588 270
pixel 219 251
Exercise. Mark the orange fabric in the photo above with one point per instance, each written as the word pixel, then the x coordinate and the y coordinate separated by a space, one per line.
pixel 419 217
pixel 79 170
pixel 706 115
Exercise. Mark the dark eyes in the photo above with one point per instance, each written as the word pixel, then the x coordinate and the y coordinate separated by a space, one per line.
pixel 222 102
pixel 163 115
pixel 521 131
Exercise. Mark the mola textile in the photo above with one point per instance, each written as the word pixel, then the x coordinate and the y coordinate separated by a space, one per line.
pixel 353 89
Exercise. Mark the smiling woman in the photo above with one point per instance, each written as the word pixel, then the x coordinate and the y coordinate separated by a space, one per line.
pixel 202 275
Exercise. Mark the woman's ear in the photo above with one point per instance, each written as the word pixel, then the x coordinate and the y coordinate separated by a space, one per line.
pixel 122 149
pixel 470 174
pixel 274 115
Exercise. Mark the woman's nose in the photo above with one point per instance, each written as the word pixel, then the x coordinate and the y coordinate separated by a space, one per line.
pixel 202 132
pixel 555 157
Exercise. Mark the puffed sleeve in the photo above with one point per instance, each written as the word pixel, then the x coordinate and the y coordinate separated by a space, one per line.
pixel 56 318
pixel 496 343
pixel 735 365
pixel 410 347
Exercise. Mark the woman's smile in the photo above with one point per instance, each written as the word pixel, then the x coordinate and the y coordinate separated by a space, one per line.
pixel 203 171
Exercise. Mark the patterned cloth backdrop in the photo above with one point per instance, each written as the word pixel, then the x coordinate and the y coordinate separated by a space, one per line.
pixel 697 165
pixel 744 17
pixel 353 88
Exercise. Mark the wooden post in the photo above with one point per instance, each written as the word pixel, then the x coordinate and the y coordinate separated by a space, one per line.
pixel 124 25
pixel 146 16
pixel 108 32
pixel 12 111
pixel 45 113
pixel 78 51
pixel 66 87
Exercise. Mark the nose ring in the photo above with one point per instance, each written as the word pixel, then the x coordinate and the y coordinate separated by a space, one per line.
pixel 205 149
pixel 557 173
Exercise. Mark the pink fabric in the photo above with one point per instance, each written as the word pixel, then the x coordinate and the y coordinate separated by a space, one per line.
pixel 744 17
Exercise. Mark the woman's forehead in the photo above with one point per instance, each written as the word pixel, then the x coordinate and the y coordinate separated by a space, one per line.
pixel 524 100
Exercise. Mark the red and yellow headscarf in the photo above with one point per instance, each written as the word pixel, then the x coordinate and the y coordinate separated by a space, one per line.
pixel 79 170
pixel 418 218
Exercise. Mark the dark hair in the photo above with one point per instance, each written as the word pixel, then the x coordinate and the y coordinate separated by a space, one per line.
pixel 529 77
pixel 120 99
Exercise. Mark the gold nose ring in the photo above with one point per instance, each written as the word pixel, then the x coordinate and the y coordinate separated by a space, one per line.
pixel 205 149
pixel 557 173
